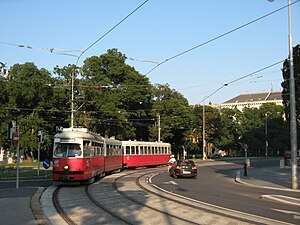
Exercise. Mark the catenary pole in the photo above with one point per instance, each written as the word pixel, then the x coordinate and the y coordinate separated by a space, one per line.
pixel 293 123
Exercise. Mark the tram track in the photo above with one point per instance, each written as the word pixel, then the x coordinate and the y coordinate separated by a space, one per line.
pixel 137 201
pixel 108 199
pixel 59 208
pixel 128 198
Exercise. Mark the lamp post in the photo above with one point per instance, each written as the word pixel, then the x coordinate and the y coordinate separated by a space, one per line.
pixel 158 126
pixel 72 98
pixel 266 132
pixel 203 132
pixel 292 105
pixel 293 123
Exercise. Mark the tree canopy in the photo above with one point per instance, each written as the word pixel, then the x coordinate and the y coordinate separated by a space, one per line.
pixel 113 99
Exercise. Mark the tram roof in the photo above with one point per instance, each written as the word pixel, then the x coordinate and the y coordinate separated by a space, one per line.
pixel 145 143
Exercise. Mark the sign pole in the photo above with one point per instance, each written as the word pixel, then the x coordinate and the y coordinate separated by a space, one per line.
pixel 16 139
pixel 38 170
pixel 40 140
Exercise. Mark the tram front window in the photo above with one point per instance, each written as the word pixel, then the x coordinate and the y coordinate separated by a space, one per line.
pixel 67 150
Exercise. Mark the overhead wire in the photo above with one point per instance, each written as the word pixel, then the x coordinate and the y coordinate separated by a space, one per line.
pixel 153 109
pixel 240 78
pixel 186 51
pixel 218 37
pixel 110 30
pixel 51 50
pixel 64 52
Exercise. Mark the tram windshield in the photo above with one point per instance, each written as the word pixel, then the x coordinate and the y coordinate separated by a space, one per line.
pixel 67 150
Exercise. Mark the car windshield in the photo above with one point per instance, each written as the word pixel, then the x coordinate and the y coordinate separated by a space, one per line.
pixel 185 163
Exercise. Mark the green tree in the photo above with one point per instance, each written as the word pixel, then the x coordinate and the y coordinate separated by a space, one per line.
pixel 286 86
pixel 28 103
pixel 276 128
pixel 264 124
pixel 230 132
pixel 175 114
pixel 4 142
pixel 117 98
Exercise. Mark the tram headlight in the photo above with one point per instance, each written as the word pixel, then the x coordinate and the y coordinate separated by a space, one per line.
pixel 66 168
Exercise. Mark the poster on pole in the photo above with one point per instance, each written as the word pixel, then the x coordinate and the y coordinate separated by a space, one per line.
pixel 15 136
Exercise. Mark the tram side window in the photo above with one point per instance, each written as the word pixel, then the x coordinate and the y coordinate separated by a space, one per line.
pixel 142 150
pixel 110 149
pixel 127 148
pixel 95 149
pixel 86 149
pixel 107 150
pixel 132 150
pixel 119 150
pixel 113 149
pixel 116 147
pixel 100 149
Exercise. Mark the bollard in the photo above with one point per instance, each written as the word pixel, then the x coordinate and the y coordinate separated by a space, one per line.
pixel 245 169
pixel 281 164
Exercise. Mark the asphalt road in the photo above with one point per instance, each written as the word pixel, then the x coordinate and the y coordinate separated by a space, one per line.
pixel 215 185
pixel 44 182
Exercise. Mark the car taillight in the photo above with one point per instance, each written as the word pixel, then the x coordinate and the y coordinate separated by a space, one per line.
pixel 194 167
pixel 177 167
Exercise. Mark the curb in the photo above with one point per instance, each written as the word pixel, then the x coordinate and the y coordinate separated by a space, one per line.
pixel 36 208
pixel 238 180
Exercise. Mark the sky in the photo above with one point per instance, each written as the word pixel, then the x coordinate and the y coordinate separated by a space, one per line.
pixel 195 46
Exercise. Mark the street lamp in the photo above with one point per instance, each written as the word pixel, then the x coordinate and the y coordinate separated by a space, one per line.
pixel 292 106
pixel 158 126
pixel 203 132
pixel 293 122
pixel 266 132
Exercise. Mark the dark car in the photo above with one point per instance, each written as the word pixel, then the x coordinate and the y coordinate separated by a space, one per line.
pixel 183 168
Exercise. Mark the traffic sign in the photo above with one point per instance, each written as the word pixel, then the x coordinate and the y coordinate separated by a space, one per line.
pixel 15 136
pixel 46 164
pixel 40 137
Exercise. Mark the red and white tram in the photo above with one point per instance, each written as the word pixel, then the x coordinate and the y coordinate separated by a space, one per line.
pixel 140 153
pixel 80 155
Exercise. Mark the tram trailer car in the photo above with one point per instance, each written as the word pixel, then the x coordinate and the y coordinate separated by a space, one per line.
pixel 81 156
pixel 143 154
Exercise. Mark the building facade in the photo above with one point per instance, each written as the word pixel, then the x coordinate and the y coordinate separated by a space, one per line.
pixel 253 100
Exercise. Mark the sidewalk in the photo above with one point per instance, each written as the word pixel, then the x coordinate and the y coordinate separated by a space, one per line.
pixel 22 206
pixel 269 177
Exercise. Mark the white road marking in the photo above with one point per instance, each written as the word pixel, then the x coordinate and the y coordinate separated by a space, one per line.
pixel 283 199
pixel 295 214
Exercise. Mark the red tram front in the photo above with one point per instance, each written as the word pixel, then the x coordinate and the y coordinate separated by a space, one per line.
pixel 79 155
pixel 143 154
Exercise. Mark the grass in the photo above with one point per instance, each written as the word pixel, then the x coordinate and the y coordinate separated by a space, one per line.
pixel 26 169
